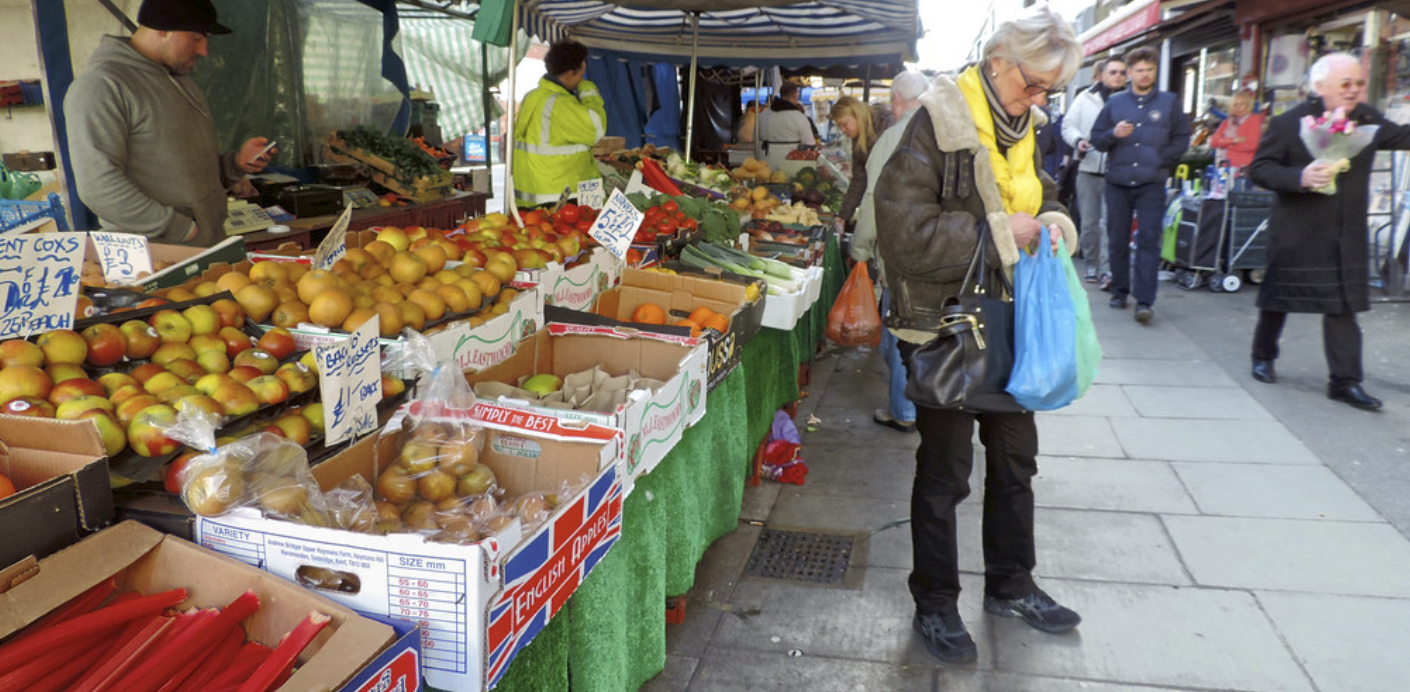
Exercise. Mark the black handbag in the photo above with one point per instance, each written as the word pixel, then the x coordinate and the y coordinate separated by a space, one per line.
pixel 967 365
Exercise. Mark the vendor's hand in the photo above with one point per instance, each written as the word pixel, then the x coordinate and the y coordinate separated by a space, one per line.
pixel 1317 175
pixel 249 157
pixel 1123 129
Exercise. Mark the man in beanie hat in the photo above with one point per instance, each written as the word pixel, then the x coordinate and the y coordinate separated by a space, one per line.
pixel 141 136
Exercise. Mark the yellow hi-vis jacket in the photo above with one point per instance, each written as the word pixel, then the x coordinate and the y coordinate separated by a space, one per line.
pixel 553 140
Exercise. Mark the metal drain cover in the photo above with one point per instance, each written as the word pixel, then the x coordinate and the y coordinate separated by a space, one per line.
pixel 807 557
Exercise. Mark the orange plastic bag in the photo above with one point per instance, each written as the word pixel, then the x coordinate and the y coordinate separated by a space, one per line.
pixel 854 320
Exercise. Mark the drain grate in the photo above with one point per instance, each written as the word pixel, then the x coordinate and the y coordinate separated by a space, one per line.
pixel 803 556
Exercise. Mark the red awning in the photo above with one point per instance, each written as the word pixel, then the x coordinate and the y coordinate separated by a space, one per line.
pixel 1132 20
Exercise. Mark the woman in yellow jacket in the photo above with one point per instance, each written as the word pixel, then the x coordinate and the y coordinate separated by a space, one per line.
pixel 559 122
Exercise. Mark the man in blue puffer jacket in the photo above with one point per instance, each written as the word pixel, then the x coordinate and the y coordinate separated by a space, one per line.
pixel 1144 132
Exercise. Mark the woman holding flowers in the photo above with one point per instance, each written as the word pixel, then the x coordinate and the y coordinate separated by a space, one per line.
pixel 1317 258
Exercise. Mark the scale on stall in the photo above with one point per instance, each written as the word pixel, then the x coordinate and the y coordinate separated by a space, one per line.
pixel 359 197
pixel 245 217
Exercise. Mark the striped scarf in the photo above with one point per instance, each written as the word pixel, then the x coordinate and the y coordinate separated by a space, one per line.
pixel 1007 128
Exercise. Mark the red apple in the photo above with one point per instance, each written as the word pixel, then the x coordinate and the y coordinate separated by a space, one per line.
pixel 62 346
pixel 392 386
pixel 259 359
pixel 106 345
pixel 72 389
pixel 146 434
pixel 245 373
pixel 31 406
pixel 269 389
pixel 114 381
pixel 235 398
pixel 274 430
pixel 70 409
pixel 231 314
pixel 173 326
pixel 171 477
pixel 235 341
pixel 162 381
pixel 171 350
pixel 202 343
pixel 110 431
pixel 214 361
pixel 142 339
pixel 130 407
pixel 297 375
pixel 66 371
pixel 202 402
pixel 20 352
pixel 295 427
pixel 177 393
pixel 208 384
pixel 125 392
pixel 187 369
pixel 279 342
pixel 24 380
pixel 203 318
pixel 145 371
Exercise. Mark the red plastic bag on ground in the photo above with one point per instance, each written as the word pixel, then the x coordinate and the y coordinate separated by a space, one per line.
pixel 854 320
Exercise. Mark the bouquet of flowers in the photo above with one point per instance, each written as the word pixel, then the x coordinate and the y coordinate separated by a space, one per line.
pixel 1334 139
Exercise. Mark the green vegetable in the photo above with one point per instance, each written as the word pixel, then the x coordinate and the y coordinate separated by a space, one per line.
pixel 409 159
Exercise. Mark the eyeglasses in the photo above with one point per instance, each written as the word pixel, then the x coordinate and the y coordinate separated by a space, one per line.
pixel 1348 83
pixel 1032 89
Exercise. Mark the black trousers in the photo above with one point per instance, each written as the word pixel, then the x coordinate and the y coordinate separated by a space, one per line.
pixel 1341 342
pixel 943 463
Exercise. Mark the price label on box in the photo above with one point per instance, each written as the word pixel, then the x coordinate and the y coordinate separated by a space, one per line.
pixel 636 184
pixel 39 282
pixel 590 193
pixel 616 225
pixel 334 246
pixel 124 256
pixel 350 382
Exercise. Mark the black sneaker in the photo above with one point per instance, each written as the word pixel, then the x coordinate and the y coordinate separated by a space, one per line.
pixel 1144 313
pixel 946 637
pixel 1038 609
pixel 1118 303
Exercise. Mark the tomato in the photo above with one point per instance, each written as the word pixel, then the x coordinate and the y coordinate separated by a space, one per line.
pixel 583 225
pixel 569 214
pixel 532 218
pixel 680 219
pixel 665 228
pixel 671 206
pixel 690 224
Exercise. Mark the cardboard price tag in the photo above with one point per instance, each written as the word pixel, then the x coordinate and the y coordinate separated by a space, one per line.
pixel 350 382
pixel 124 256
pixel 334 246
pixel 333 367
pixel 616 225
pixel 590 193
pixel 39 282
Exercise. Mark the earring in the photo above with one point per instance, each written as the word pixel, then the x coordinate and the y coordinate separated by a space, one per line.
pixel 993 75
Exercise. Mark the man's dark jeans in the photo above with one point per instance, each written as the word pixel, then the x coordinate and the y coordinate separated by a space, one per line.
pixel 1148 203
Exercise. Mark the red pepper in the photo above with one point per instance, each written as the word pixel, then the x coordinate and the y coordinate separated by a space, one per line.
pixel 652 175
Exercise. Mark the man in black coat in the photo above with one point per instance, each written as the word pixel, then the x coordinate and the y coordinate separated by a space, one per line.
pixel 1317 259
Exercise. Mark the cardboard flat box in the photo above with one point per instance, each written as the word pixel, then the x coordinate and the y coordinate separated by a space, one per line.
pixel 479 604
pixel 187 262
pixel 783 312
pixel 61 473
pixel 681 294
pixel 147 561
pixel 651 422
pixel 575 287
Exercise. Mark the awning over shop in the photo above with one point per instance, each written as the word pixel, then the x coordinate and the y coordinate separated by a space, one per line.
pixel 735 33
pixel 1124 24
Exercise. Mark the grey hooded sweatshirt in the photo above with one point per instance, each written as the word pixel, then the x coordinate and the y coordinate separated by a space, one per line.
pixel 144 152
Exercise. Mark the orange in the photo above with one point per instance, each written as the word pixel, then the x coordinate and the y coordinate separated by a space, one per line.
pixel 6 487
pixel 717 322
pixel 687 322
pixel 699 314
pixel 649 313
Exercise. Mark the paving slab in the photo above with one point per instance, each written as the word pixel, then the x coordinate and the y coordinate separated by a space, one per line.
pixel 1283 492
pixel 759 500
pixel 1075 544
pixel 1266 442
pixel 1110 484
pixel 1100 400
pixel 1186 372
pixel 1227 403
pixel 676 676
pixel 873 624
pixel 1077 436
pixel 1294 555
pixel 861 471
pixel 796 507
pixel 843 425
pixel 736 671
pixel 1345 642
pixel 1154 635
pixel 1123 342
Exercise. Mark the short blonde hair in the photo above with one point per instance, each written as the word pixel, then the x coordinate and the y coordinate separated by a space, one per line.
pixel 1040 38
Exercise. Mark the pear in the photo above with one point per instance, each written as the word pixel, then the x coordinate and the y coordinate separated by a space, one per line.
pixel 542 384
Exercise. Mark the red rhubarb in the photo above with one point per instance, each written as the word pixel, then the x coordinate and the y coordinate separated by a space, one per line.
pixel 84 603
pixel 60 677
pixel 251 656
pixel 172 657
pixel 282 660
pixel 132 649
pixel 216 663
pixel 60 656
pixel 11 655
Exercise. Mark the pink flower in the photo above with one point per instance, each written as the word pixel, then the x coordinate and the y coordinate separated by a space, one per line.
pixel 1350 127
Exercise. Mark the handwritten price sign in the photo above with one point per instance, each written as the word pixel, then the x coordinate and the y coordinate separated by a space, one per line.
pixel 590 193
pixel 350 381
pixel 616 225
pixel 39 275
pixel 335 245
pixel 124 256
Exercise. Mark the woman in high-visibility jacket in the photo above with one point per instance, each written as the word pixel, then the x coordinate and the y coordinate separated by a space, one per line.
pixel 558 123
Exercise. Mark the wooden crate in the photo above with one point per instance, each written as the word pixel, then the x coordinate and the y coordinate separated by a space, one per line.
pixel 424 189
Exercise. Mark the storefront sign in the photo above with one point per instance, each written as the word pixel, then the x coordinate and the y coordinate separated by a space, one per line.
pixel 39 282
pixel 350 381
pixel 1139 17
pixel 334 246
pixel 590 193
pixel 124 256
pixel 616 225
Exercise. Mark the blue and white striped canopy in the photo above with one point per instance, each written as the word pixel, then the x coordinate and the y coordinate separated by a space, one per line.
pixel 735 33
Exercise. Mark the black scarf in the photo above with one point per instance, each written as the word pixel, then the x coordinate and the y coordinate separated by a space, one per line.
pixel 1102 90
pixel 1007 128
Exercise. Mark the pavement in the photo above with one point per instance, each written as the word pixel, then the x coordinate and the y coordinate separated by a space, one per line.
pixel 1215 533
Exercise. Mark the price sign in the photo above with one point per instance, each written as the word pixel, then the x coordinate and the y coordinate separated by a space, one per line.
pixel 590 193
pixel 616 225
pixel 124 256
pixel 334 246
pixel 39 282
pixel 350 372
pixel 636 184
pixel 333 367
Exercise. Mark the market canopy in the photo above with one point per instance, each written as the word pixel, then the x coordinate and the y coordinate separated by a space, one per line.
pixel 735 33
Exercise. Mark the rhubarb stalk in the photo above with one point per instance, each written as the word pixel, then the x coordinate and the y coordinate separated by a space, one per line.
pixel 11 655
pixel 282 660
pixel 201 636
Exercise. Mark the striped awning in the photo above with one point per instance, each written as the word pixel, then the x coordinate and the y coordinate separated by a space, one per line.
pixel 778 33
pixel 441 58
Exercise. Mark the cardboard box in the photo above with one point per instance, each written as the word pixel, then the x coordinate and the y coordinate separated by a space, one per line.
pixel 651 422
pixel 61 473
pixel 479 604
pixel 147 561
pixel 681 294
pixel 608 145
pixel 783 312
pixel 576 287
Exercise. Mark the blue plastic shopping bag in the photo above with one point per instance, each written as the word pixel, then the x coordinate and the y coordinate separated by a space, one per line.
pixel 1045 339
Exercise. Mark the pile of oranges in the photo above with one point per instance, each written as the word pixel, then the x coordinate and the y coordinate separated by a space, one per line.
pixel 700 318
